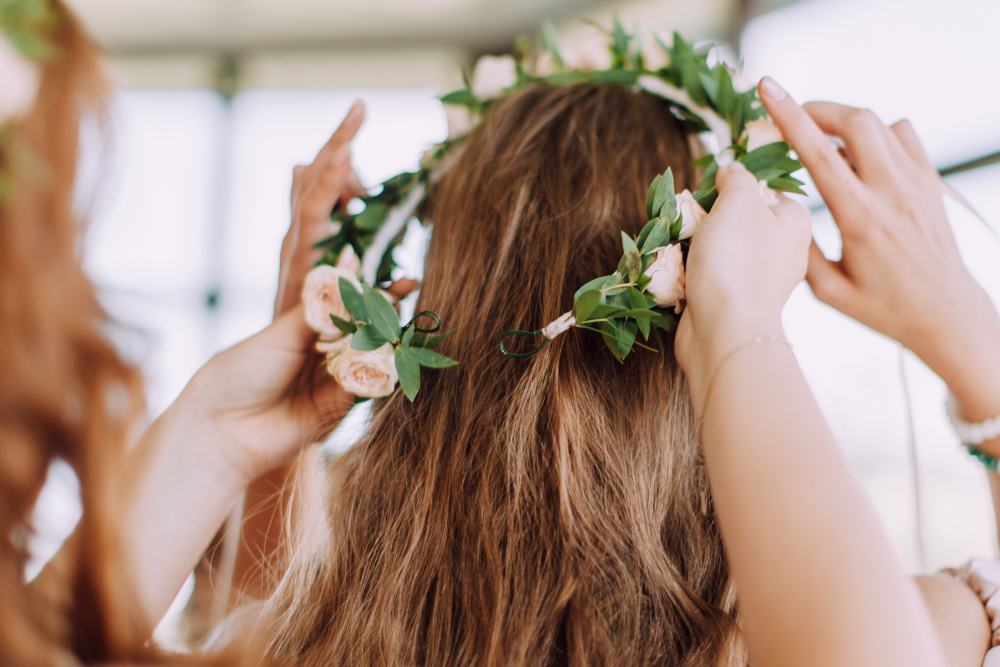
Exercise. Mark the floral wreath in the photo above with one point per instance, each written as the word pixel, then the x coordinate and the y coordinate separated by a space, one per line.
pixel 25 30
pixel 368 349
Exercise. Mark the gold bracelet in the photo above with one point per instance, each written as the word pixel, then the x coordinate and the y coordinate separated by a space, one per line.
pixel 729 355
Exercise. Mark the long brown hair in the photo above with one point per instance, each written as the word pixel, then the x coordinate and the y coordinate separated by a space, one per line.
pixel 64 392
pixel 545 511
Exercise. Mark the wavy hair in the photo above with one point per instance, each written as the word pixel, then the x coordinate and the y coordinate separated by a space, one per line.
pixel 65 393
pixel 546 511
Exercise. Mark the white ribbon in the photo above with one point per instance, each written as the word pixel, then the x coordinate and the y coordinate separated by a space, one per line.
pixel 389 231
pixel 564 323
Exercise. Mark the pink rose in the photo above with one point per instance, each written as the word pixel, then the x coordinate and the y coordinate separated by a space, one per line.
pixel 761 133
pixel 692 213
pixel 666 274
pixel 370 374
pixel 321 297
pixel 592 54
pixel 654 58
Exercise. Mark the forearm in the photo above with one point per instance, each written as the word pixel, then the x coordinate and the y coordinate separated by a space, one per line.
pixel 179 491
pixel 817 580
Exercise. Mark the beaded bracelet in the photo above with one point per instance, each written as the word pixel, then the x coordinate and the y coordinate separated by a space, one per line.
pixel 973 435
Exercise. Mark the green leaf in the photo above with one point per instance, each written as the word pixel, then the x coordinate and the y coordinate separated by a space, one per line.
pixel 605 311
pixel 459 98
pixel 619 77
pixel 372 218
pixel 353 300
pixel 367 339
pixel 664 190
pixel 408 336
pixel 432 359
pixel 675 229
pixel 585 304
pixel 659 344
pixel 429 340
pixel 632 257
pixel 644 234
pixel 596 283
pixel 343 325
pixel 408 370
pixel 656 237
pixel 550 42
pixel 638 300
pixel 627 337
pixel 610 333
pixel 383 315
pixel 765 156
pixel 651 196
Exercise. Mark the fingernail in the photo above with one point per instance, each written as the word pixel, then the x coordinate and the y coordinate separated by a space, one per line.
pixel 342 154
pixel 771 88
pixel 355 109
pixel 725 158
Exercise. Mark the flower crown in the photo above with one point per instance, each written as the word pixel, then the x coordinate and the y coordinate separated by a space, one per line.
pixel 25 31
pixel 368 349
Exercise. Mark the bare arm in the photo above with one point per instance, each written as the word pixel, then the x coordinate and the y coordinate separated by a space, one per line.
pixel 817 580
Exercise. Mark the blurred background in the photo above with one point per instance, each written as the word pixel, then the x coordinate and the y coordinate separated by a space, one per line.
pixel 219 99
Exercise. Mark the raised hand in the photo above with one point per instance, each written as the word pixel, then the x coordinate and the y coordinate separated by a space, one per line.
pixel 900 272
pixel 316 188
pixel 744 262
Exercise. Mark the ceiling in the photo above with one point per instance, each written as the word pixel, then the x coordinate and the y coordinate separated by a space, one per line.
pixel 296 43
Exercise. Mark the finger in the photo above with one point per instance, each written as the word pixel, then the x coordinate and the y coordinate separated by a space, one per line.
pixel 341 137
pixel 348 259
pixel 827 279
pixel 403 287
pixel 908 139
pixel 298 173
pixel 870 145
pixel 738 189
pixel 316 204
pixel 833 177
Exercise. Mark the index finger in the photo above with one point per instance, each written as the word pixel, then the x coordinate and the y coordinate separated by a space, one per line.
pixel 341 137
pixel 834 177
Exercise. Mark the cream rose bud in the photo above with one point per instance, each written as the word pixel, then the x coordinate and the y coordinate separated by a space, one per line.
pixel 20 81
pixel 691 213
pixel 493 74
pixel 654 58
pixel 368 374
pixel 761 133
pixel 321 298
pixel 666 278
pixel 460 120
pixel 590 55
pixel 544 65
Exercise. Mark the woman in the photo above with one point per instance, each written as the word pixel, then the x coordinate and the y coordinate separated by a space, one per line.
pixel 554 510
pixel 64 391
pixel 547 595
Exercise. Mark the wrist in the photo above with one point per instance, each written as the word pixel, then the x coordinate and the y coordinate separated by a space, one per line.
pixel 965 353
pixel 202 443
pixel 730 330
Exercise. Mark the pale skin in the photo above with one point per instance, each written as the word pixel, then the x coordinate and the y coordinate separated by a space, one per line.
pixel 817 579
